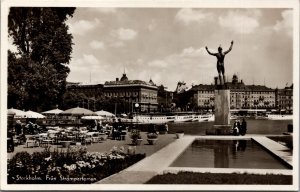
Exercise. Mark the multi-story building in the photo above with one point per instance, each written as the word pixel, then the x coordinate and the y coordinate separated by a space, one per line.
pixel 284 99
pixel 204 96
pixel 133 91
pixel 130 92
pixel 91 91
pixel 241 96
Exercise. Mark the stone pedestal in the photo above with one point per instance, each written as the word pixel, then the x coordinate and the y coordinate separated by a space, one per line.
pixel 222 113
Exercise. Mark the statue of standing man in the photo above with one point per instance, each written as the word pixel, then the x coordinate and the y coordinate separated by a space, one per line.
pixel 220 63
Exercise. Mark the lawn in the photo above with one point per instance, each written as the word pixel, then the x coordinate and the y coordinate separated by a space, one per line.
pixel 220 178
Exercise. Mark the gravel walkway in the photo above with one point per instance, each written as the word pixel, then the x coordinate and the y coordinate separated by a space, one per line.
pixel 105 146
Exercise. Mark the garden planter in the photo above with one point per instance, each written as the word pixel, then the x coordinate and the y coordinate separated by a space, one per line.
pixel 136 141
pixel 179 135
pixel 152 141
pixel 162 132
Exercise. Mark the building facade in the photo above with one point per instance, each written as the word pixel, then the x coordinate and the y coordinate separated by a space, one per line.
pixel 133 91
pixel 284 101
pixel 241 96
pixel 130 92
pixel 90 91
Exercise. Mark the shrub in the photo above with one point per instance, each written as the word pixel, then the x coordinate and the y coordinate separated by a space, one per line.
pixel 74 166
pixel 135 134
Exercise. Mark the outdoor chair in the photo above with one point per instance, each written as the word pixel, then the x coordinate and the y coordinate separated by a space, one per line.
pixel 32 140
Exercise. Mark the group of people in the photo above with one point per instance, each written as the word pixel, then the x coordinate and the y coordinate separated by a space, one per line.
pixel 239 128
pixel 29 128
pixel 118 129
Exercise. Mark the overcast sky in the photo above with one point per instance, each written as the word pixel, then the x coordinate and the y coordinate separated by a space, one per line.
pixel 168 45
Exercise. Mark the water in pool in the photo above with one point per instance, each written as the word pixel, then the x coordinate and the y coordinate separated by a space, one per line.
pixel 227 154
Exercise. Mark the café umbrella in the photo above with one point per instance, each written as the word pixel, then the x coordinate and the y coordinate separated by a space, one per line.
pixel 34 115
pixel 78 111
pixel 104 113
pixel 53 112
pixel 17 113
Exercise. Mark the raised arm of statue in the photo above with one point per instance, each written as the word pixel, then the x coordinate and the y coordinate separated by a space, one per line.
pixel 229 48
pixel 214 54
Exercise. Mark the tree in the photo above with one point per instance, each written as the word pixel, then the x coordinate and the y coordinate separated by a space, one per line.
pixel 37 72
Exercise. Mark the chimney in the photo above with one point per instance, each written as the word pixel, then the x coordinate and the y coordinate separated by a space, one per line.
pixel 117 79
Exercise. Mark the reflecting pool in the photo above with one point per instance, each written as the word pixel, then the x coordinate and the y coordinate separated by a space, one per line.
pixel 227 154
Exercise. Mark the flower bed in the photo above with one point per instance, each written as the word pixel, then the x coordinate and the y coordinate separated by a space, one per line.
pixel 74 166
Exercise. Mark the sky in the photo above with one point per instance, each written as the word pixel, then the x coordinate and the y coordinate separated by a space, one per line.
pixel 168 45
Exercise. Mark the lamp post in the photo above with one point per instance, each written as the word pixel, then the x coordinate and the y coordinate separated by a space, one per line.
pixel 136 105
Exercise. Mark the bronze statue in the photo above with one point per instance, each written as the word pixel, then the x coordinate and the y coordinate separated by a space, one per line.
pixel 220 57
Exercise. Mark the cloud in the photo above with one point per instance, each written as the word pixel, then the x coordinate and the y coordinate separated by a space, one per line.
pixel 117 44
pixel 158 63
pixel 184 60
pixel 106 10
pixel 124 34
pixel 286 24
pixel 86 60
pixel 188 16
pixel 82 26
pixel 152 25
pixel 245 22
pixel 97 44
pixel 191 52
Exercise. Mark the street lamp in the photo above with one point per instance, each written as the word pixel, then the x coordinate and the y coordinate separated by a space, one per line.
pixel 136 105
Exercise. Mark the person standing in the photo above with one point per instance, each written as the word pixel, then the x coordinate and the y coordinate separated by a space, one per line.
pixel 18 127
pixel 166 127
pixel 235 129
pixel 239 126
pixel 114 129
pixel 30 128
pixel 243 127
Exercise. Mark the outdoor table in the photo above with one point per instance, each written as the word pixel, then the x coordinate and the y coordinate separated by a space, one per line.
pixel 43 134
pixel 92 133
pixel 52 128
pixel 83 132
pixel 53 131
